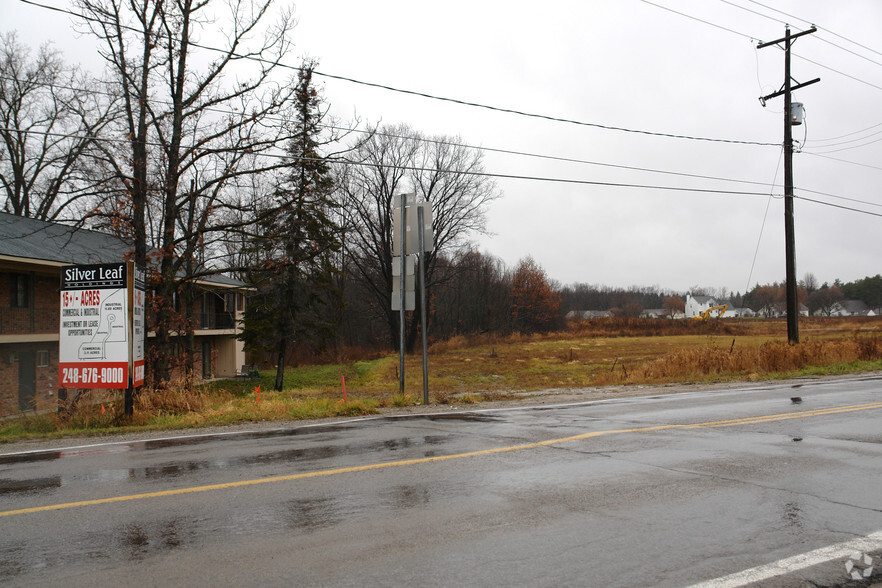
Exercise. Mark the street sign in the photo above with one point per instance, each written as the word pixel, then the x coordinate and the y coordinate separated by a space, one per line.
pixel 411 236
pixel 136 286
pixel 410 228
pixel 409 283
pixel 409 300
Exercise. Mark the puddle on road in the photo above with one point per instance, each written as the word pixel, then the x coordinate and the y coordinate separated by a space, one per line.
pixel 177 469
pixel 31 485
pixel 410 496
pixel 126 542
pixel 136 541
pixel 251 435
pixel 53 454
pixel 468 417
pixel 310 514
pixel 30 457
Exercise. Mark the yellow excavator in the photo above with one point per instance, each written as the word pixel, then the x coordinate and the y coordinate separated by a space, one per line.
pixel 706 314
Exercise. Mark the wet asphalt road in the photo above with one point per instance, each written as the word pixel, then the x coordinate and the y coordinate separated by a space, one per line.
pixel 611 493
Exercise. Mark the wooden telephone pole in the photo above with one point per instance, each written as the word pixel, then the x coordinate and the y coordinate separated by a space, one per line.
pixel 789 231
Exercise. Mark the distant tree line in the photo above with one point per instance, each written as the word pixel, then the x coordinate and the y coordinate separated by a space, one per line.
pixel 473 293
pixel 620 301
pixel 818 298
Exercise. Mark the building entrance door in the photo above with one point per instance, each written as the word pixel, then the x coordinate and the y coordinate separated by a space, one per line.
pixel 206 360
pixel 27 379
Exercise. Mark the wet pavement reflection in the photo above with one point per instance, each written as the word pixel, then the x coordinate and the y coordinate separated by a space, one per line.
pixel 178 469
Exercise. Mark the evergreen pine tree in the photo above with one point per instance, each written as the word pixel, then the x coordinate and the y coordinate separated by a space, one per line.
pixel 295 244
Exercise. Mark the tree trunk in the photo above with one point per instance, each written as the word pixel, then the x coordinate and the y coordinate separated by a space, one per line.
pixel 280 364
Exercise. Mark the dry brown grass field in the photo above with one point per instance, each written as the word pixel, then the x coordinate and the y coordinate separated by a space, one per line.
pixel 646 351
pixel 611 354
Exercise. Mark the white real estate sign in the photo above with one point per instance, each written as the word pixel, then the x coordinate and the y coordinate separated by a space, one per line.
pixel 102 314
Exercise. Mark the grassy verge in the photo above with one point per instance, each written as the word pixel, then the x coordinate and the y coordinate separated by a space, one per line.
pixel 473 370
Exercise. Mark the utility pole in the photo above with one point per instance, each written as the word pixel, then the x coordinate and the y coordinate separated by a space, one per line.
pixel 789 231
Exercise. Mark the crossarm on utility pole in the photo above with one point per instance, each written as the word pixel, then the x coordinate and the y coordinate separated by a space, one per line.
pixel 792 88
pixel 787 37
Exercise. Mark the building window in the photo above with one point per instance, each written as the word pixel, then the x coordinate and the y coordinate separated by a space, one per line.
pixel 20 291
pixel 240 302
pixel 43 358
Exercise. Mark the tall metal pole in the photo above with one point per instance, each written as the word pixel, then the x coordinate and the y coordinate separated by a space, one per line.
pixel 402 238
pixel 421 234
pixel 789 231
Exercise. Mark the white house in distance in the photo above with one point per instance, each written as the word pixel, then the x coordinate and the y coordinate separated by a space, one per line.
pixel 695 305
pixel 851 308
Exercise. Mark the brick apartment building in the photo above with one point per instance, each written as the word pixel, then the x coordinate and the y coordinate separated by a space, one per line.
pixel 32 253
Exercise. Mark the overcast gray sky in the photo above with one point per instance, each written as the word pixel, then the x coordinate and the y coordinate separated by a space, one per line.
pixel 630 64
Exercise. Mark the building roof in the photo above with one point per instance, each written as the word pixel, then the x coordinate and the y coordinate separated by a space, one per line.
pixel 703 299
pixel 54 244
pixel 58 244
pixel 854 306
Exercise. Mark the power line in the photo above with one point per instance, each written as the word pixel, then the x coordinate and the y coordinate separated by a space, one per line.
pixel 820 38
pixel 552 118
pixel 456 100
pixel 559 180
pixel 828 68
pixel 227 112
pixel 763 226
pixel 828 150
pixel 695 18
pixel 839 206
pixel 480 174
pixel 826 30
pixel 542 116
pixel 847 135
pixel 481 148
pixel 752 38
pixel 876 167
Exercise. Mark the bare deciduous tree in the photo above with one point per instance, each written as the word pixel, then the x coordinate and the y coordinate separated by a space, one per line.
pixel 810 283
pixel 396 160
pixel 46 124
pixel 197 124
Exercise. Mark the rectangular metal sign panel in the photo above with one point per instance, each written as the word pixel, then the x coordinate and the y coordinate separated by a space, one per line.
pixel 412 234
pixel 138 294
pixel 409 265
pixel 396 233
pixel 409 283
pixel 409 300
pixel 409 199
pixel 412 242
pixel 93 345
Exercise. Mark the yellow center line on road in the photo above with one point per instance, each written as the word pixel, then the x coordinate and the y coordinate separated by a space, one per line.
pixel 439 458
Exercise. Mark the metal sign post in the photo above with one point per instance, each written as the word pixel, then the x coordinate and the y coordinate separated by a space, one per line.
pixel 408 214
pixel 136 287
pixel 421 232
pixel 402 239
